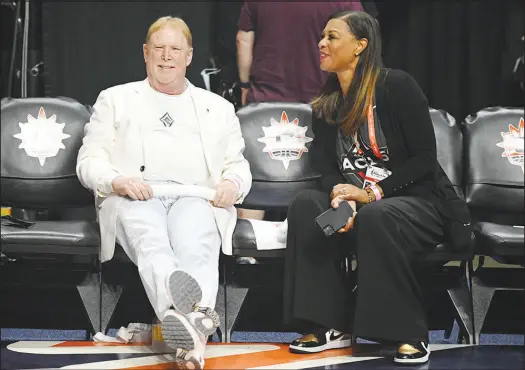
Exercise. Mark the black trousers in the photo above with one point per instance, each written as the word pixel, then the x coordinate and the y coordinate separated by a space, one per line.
pixel 388 237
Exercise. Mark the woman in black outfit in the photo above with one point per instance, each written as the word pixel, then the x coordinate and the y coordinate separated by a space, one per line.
pixel 375 146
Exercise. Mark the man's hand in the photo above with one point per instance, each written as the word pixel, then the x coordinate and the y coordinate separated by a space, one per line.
pixel 132 187
pixel 350 222
pixel 342 192
pixel 226 194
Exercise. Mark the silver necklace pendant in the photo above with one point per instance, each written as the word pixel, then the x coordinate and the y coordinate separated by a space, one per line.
pixel 166 119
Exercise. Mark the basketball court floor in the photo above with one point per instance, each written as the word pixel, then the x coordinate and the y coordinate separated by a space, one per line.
pixel 90 355
pixel 258 340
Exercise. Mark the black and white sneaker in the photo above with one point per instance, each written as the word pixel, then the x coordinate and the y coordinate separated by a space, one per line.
pixel 320 341
pixel 412 353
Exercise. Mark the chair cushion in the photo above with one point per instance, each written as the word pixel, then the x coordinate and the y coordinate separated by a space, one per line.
pixel 443 252
pixel 61 237
pixel 245 245
pixel 499 240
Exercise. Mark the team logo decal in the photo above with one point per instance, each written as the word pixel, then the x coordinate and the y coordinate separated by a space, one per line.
pixel 285 141
pixel 41 137
pixel 513 144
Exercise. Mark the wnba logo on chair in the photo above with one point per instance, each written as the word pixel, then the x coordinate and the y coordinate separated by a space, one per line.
pixel 41 137
pixel 285 141
pixel 513 144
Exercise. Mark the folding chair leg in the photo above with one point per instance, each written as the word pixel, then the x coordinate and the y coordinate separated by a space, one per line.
pixel 220 308
pixel 234 297
pixel 89 291
pixel 110 298
pixel 461 297
pixel 482 296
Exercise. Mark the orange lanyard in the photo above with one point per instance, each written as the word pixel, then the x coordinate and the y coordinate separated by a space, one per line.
pixel 371 134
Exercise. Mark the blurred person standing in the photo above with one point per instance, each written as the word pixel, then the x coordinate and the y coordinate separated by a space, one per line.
pixel 277 52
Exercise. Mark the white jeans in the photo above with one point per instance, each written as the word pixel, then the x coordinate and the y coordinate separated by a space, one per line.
pixel 166 233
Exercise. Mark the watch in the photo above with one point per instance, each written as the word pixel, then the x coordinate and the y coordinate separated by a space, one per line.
pixel 245 85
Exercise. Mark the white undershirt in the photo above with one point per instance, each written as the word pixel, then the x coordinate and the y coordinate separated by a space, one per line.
pixel 174 153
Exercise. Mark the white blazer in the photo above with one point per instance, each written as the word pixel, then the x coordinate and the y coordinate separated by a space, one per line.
pixel 112 146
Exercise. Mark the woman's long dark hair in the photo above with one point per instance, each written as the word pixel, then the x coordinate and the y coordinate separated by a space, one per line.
pixel 361 90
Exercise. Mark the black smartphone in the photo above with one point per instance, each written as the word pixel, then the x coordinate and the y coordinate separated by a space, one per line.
pixel 335 218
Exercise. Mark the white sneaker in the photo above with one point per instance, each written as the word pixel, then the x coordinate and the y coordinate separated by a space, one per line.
pixel 188 360
pixel 185 292
pixel 178 333
pixel 205 320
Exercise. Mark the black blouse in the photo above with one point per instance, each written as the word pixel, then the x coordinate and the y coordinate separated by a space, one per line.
pixel 405 119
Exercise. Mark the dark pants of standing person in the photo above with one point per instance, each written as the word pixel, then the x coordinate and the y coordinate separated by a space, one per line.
pixel 387 238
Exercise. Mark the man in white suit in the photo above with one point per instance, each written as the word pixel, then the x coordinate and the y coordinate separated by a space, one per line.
pixel 165 133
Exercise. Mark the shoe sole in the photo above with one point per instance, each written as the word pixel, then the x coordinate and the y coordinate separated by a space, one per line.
pixel 334 345
pixel 176 333
pixel 185 294
pixel 413 361
pixel 185 291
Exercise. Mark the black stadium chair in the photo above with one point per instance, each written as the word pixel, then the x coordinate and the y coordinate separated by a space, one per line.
pixel 449 143
pixel 40 139
pixel 280 169
pixel 495 194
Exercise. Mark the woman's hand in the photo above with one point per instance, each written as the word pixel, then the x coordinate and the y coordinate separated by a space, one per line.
pixel 350 222
pixel 342 192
